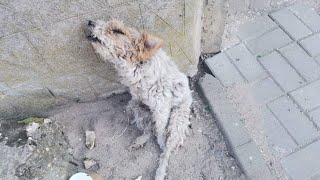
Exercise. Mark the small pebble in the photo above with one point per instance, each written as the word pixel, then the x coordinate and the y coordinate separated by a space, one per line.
pixel 89 163
pixel 47 121
pixel 90 139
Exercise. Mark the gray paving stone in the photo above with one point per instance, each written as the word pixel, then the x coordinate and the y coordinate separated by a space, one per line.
pixel 308 96
pixel 312 45
pixel 297 124
pixel 268 42
pixel 222 68
pixel 304 164
pixel 256 28
pixel 259 4
pixel 309 16
pixel 277 136
pixel 252 162
pixel 291 24
pixel 302 62
pixel 228 119
pixel 265 91
pixel 315 116
pixel 246 63
pixel 281 71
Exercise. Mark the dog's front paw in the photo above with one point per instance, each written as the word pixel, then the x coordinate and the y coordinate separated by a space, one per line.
pixel 139 142
pixel 135 146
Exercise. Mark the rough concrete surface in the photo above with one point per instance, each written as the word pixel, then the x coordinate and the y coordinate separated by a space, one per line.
pixel 40 153
pixel 46 60
pixel 213 20
pixel 203 156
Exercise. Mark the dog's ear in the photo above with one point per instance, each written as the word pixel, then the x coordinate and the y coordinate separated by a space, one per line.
pixel 148 46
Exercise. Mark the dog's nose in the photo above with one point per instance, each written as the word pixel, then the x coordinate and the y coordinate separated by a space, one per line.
pixel 91 23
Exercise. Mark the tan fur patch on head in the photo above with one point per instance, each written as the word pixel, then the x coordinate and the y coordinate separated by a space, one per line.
pixel 129 44
pixel 147 46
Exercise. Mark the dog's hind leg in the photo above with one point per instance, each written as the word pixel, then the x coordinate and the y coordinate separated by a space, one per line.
pixel 161 119
pixel 178 129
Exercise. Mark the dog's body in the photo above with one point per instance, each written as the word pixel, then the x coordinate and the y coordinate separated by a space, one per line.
pixel 154 81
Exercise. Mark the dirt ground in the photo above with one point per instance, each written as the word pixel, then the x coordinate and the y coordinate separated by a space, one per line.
pixel 47 155
pixel 204 155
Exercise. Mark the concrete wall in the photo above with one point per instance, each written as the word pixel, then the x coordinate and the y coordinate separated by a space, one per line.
pixel 46 61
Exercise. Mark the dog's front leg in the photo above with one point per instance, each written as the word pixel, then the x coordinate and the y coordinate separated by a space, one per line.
pixel 133 110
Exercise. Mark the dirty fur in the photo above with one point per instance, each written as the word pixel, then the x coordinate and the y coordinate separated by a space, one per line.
pixel 155 83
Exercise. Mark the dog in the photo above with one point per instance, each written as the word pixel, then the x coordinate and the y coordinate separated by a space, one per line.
pixel 155 83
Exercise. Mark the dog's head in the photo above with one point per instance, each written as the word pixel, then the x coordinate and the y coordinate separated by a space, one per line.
pixel 114 42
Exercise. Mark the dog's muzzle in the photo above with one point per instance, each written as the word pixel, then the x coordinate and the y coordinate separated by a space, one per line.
pixel 91 23
pixel 90 36
pixel 93 38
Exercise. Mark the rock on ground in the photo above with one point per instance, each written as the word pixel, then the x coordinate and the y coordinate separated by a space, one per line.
pixel 43 156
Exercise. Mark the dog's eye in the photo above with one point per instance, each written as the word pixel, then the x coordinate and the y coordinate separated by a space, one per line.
pixel 118 31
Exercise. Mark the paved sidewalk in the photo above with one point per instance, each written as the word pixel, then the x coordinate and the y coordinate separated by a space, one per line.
pixel 266 95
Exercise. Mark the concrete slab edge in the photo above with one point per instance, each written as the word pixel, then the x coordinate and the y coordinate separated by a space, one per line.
pixel 247 155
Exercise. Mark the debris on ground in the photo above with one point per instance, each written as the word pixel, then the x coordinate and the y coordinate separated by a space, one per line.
pixel 139 178
pixel 31 128
pixel 90 139
pixel 45 157
pixel 95 176
pixel 90 164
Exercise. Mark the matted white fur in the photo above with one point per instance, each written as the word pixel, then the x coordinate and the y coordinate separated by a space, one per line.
pixel 154 81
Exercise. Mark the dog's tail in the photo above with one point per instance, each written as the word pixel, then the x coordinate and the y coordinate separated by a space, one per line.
pixel 178 129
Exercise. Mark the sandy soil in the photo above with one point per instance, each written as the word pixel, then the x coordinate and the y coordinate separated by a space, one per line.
pixel 204 155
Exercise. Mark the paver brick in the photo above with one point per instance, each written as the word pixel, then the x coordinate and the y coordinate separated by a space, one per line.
pixel 291 24
pixel 268 42
pixel 312 45
pixel 309 16
pixel 258 4
pixel 252 162
pixel 315 116
pixel 246 63
pixel 302 62
pixel 277 136
pixel 304 164
pixel 266 90
pixel 221 67
pixel 281 71
pixel 297 123
pixel 229 120
pixel 256 28
pixel 308 96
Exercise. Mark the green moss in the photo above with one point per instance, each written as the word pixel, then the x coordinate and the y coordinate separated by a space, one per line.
pixel 31 120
